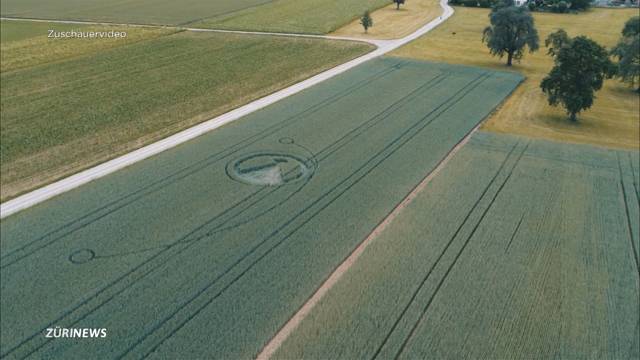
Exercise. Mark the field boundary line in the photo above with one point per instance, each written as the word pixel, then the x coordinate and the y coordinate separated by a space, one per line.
pixel 628 216
pixel 285 331
pixel 69 183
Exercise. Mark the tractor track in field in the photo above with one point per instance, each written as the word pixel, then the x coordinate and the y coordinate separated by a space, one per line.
pixel 464 246
pixel 147 269
pixel 283 333
pixel 627 212
pixel 49 191
pixel 415 293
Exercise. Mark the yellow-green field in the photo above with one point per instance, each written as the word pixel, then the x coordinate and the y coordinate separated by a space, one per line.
pixel 294 16
pixel 613 120
pixel 389 23
pixel 70 104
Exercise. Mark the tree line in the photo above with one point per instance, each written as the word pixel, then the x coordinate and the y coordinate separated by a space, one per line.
pixel 556 6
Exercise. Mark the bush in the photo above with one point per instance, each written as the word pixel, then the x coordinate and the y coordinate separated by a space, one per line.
pixel 532 6
pixel 563 6
pixel 580 4
pixel 560 7
pixel 485 3
pixel 470 3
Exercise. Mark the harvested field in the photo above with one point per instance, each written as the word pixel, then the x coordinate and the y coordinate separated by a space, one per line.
pixel 613 121
pixel 390 23
pixel 518 249
pixel 207 249
pixel 67 105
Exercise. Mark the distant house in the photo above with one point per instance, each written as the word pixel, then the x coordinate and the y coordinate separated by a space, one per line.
pixel 520 2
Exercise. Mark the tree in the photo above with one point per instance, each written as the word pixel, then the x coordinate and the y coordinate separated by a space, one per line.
pixel 631 27
pixel 581 65
pixel 580 4
pixel 627 51
pixel 512 29
pixel 366 21
pixel 500 4
pixel 398 3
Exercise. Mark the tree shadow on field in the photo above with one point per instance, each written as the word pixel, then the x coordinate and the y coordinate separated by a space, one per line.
pixel 563 123
pixel 623 89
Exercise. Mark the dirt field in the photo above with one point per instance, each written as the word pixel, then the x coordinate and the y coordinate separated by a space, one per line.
pixel 390 23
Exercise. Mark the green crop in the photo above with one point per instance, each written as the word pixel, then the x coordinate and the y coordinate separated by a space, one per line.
pixel 518 249
pixel 183 256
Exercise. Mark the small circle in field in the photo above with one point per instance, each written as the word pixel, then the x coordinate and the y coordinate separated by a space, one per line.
pixel 286 141
pixel 82 256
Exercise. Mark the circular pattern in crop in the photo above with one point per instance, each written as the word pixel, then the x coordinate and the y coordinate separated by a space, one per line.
pixel 82 256
pixel 286 141
pixel 270 169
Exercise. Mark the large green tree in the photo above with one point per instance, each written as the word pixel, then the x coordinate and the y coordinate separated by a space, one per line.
pixel 581 65
pixel 512 29
pixel 627 51
pixel 631 27
pixel 580 4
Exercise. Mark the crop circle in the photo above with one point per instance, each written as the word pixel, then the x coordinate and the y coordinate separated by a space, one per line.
pixel 270 169
pixel 82 256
